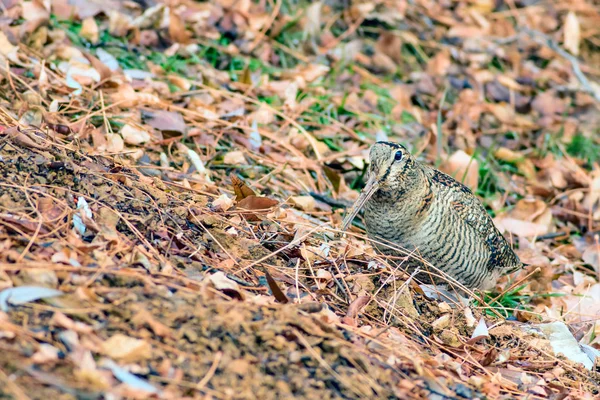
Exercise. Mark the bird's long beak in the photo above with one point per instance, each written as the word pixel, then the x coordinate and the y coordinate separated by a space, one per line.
pixel 370 188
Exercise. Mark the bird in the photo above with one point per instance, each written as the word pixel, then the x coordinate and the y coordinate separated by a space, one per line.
pixel 413 208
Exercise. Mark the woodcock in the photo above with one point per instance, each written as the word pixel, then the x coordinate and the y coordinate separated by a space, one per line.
pixel 410 207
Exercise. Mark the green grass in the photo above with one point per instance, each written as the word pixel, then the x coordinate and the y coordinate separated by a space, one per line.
pixel 510 301
pixel 490 170
pixel 584 148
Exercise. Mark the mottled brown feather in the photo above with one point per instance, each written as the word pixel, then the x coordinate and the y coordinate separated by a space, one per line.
pixel 425 210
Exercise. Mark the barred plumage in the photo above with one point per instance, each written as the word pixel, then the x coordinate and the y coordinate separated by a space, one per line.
pixel 422 210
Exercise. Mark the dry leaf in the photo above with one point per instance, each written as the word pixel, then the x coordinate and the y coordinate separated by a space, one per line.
pixel 463 167
pixel 223 202
pixel 240 189
pixel 312 19
pixel 134 134
pixel 256 203
pixel 520 228
pixel 89 30
pixel 166 121
pixel 277 293
pixel 235 158
pixel 221 282
pixel 126 348
pixel 177 31
pixel 572 33
pixel 114 143
pixel 306 203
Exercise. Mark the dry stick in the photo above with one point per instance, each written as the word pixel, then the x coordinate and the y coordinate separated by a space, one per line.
pixel 451 281
pixel 296 125
pixel 267 26
pixel 211 371
pixel 12 386
pixel 292 243
pixel 37 229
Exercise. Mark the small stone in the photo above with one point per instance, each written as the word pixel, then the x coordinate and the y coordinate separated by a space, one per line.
pixel 126 348
pixel 450 338
pixel 441 323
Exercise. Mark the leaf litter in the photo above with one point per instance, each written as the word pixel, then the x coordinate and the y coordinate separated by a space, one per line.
pixel 174 175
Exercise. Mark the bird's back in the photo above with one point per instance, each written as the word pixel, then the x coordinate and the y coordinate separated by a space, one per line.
pixel 442 221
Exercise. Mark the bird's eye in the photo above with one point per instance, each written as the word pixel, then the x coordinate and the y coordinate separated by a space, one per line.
pixel 398 156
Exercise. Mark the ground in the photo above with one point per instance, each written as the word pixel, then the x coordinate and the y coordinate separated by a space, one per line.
pixel 174 176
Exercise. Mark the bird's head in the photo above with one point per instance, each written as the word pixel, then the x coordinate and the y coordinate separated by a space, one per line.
pixel 391 168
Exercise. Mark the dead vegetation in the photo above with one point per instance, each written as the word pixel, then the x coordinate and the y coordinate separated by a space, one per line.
pixel 173 179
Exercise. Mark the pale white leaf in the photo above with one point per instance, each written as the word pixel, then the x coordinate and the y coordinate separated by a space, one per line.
pixel 481 331
pixel 572 33
pixel 128 378
pixel 25 294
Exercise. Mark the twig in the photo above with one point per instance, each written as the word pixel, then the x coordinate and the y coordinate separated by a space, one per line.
pixel 211 371
pixel 12 387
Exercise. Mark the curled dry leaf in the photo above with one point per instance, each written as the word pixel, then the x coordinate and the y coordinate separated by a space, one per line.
pixel 442 322
pixel 89 30
pixel 312 19
pixel 223 202
pixel 177 31
pixel 166 121
pixel 134 134
pixel 228 286
pixel 356 306
pixel 256 204
pixel 480 332
pixel 45 354
pixel 324 275
pixel 240 188
pixel 277 293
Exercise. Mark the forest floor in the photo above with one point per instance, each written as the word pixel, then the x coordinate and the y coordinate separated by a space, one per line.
pixel 174 175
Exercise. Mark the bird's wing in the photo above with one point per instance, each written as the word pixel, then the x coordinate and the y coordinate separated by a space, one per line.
pixel 474 214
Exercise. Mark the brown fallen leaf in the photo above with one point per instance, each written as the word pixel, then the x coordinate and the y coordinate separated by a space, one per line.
pixel 333 176
pixel 240 188
pixel 524 165
pixel 126 348
pixel 256 204
pixel 177 31
pixel 306 203
pixel 279 295
pixel 166 121
pixel 49 210
pixel 358 304
pixel 21 225
pixel 143 317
